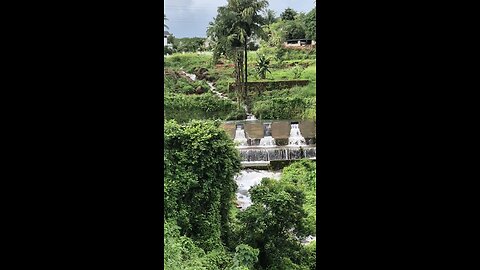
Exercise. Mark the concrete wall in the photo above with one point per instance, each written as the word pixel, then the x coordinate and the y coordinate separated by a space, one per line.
pixel 280 129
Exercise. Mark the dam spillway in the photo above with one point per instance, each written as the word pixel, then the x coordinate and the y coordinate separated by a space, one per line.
pixel 262 141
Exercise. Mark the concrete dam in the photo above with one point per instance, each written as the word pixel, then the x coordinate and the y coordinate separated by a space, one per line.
pixel 262 141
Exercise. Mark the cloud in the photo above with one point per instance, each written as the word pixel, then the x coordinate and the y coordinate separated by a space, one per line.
pixel 190 18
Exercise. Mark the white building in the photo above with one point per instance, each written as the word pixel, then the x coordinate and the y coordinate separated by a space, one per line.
pixel 166 34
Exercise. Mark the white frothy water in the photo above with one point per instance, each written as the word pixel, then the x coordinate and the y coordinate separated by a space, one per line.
pixel 296 138
pixel 191 76
pixel 247 179
pixel 267 141
pixel 212 88
pixel 240 136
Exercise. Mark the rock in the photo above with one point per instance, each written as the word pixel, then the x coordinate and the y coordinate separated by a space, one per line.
pixel 201 73
pixel 202 70
pixel 200 90
pixel 200 76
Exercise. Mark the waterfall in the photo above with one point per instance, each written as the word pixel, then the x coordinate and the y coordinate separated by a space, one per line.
pixel 285 143
pixel 267 140
pixel 296 138
pixel 247 179
pixel 258 154
pixel 240 136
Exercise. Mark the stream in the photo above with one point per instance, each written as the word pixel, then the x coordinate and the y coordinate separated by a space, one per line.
pixel 248 178
pixel 193 77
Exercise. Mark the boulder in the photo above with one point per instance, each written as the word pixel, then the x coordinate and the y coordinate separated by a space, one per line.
pixel 200 90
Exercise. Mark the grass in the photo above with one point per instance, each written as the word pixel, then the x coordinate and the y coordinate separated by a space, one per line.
pixel 296 65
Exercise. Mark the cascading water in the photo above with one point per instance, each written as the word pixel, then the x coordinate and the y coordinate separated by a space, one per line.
pixel 296 138
pixel 287 143
pixel 193 77
pixel 267 140
pixel 247 179
pixel 240 136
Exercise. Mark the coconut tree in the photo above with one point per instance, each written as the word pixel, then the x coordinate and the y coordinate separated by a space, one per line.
pixel 165 19
pixel 234 24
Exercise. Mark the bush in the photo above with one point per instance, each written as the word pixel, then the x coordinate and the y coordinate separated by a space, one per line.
pixel 167 50
pixel 207 106
pixel 200 163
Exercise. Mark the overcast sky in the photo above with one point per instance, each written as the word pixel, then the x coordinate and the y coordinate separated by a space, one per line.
pixel 190 18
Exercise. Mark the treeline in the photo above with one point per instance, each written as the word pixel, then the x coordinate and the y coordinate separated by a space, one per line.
pixel 194 44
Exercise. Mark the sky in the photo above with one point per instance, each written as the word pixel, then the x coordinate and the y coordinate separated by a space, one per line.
pixel 190 18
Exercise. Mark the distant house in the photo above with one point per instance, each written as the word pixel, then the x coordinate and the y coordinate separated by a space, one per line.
pixel 299 43
pixel 166 34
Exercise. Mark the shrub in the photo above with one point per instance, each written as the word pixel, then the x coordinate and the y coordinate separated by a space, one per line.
pixel 184 108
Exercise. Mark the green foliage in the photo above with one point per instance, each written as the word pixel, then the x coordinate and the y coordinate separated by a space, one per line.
pixel 303 174
pixel 294 29
pixel 269 17
pixel 234 23
pixel 176 84
pixel 294 103
pixel 274 223
pixel 188 61
pixel 297 71
pixel 288 14
pixel 190 44
pixel 184 108
pixel 262 66
pixel 245 257
pixel 167 50
pixel 311 24
pixel 180 253
pixel 200 163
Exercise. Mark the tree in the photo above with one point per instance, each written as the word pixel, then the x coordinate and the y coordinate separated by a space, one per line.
pixel 199 189
pixel 190 44
pixel 311 24
pixel 294 29
pixel 165 19
pixel 245 257
pixel 274 223
pixel 288 14
pixel 269 17
pixel 230 30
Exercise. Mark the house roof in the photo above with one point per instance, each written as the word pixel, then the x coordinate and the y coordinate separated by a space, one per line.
pixel 166 33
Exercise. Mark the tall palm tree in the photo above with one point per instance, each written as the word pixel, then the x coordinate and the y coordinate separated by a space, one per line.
pixel 234 24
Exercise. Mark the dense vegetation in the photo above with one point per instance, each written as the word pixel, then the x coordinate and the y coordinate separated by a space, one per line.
pixel 203 228
pixel 184 108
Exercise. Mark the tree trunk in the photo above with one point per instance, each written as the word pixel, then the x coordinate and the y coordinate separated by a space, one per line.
pixel 245 95
pixel 239 77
